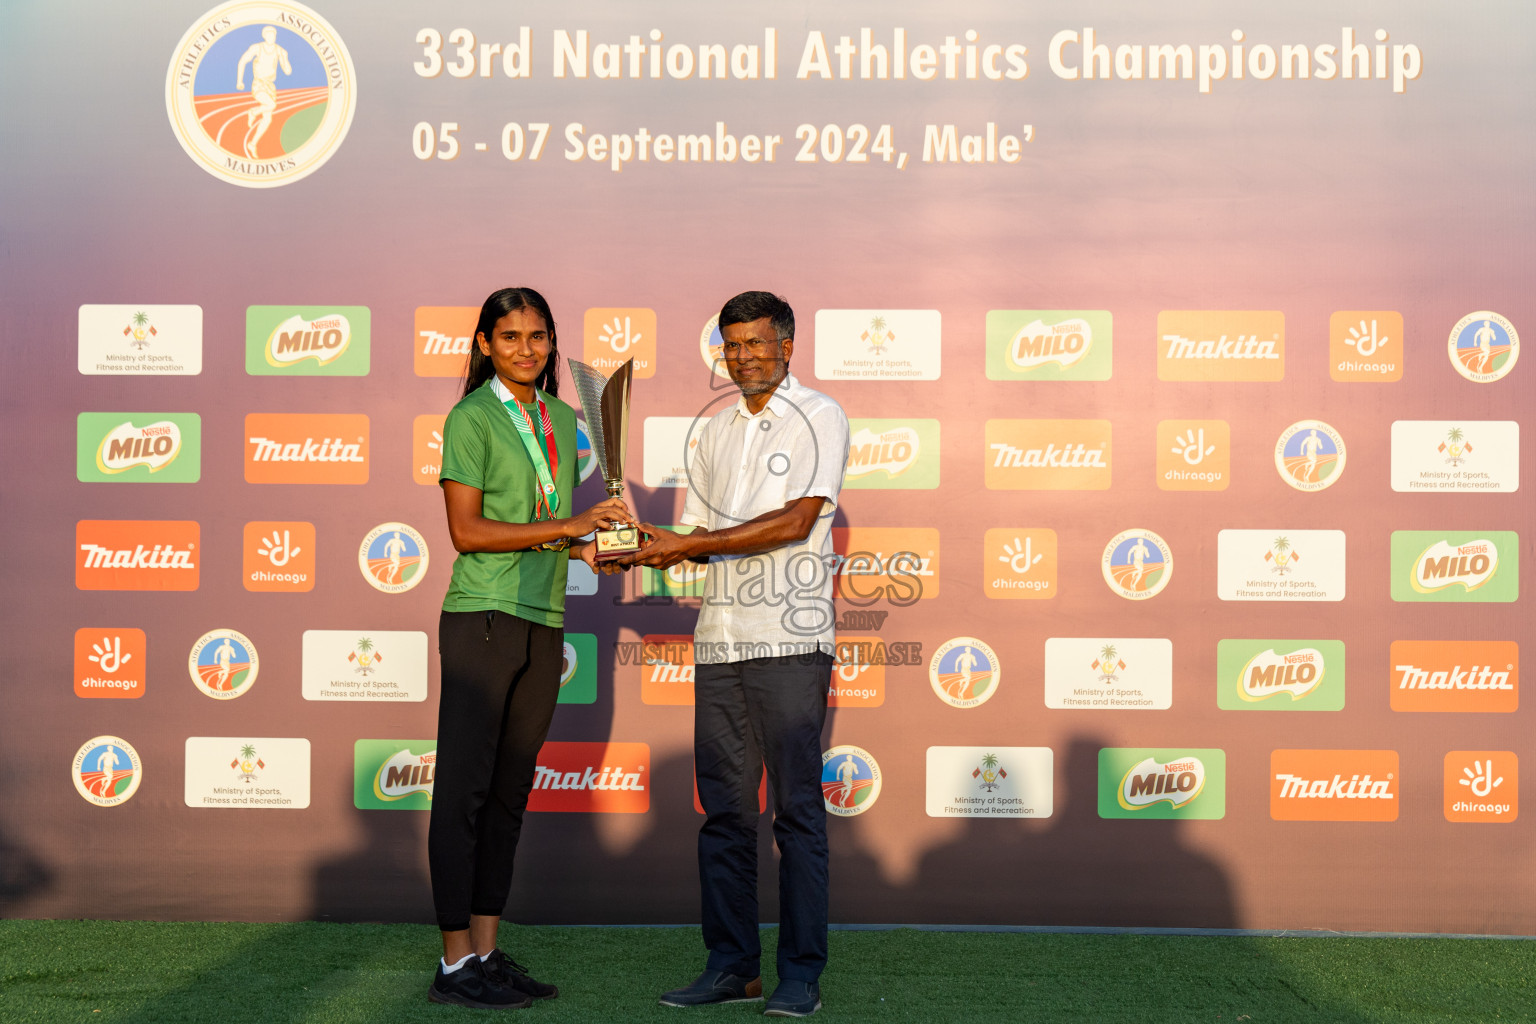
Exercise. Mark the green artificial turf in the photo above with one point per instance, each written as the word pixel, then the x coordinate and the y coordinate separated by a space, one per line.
pixel 101 971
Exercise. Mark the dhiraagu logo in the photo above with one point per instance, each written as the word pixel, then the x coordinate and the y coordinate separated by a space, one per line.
pixel 1280 675
pixel 1049 344
pixel 1455 565
pixel 393 775
pixel 893 454
pixel 138 447
pixel 1136 782
pixel 308 341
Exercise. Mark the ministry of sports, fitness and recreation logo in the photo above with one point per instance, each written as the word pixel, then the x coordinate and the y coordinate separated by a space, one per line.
pixel 1098 673
pixel 1469 456
pixel 964 672
pixel 1483 347
pixel 260 94
pixel 1309 455
pixel 393 558
pixel 107 770
pixel 850 780
pixel 247 764
pixel 1137 564
pixel 223 664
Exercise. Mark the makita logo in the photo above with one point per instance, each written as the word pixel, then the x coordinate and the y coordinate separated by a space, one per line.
pixel 607 778
pixel 161 556
pixel 600 778
pixel 1333 785
pixel 136 555
pixel 667 672
pixel 1052 456
pixel 1356 787
pixel 890 450
pixel 1244 346
pixel 323 339
pixel 327 449
pixel 878 563
pixel 1478 677
pixel 436 343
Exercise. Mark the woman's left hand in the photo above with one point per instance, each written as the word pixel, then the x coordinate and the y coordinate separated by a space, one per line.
pixel 588 553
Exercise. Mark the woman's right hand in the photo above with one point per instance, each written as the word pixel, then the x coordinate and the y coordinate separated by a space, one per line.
pixel 604 515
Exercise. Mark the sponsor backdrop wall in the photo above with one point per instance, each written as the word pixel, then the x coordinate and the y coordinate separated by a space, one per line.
pixel 1180 550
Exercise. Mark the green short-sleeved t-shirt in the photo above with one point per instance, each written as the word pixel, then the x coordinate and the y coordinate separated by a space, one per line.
pixel 481 449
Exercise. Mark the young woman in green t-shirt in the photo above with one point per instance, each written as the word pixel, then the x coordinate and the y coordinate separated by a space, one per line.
pixel 509 467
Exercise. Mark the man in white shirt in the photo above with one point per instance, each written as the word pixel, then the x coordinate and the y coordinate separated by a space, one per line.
pixel 762 489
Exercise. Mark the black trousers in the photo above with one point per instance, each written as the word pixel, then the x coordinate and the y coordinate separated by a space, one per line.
pixel 500 682
pixel 748 714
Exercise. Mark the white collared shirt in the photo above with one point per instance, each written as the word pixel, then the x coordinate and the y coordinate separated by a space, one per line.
pixel 778 602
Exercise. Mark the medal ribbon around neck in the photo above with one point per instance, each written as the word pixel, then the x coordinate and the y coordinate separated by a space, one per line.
pixel 547 501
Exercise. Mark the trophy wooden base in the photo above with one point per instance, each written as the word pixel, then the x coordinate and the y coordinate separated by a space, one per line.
pixel 615 544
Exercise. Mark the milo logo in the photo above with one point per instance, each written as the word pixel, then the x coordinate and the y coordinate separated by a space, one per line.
pixel 323 339
pixel 138 447
pixel 1297 674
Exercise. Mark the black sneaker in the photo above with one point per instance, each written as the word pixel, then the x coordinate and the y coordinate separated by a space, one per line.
pixel 502 968
pixel 794 999
pixel 716 987
pixel 470 985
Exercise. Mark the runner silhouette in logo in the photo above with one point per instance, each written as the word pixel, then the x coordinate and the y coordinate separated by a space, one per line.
pixel 1311 445
pixel 1138 555
pixel 107 764
pixel 264 58
pixel 966 663
pixel 394 548
pixel 1485 338
pixel 845 774
pixel 223 656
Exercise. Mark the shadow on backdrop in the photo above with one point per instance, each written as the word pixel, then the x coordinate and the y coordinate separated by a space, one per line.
pixel 1078 870
pixel 22 876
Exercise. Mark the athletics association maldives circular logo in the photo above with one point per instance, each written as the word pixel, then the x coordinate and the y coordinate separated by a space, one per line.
pixel 850 781
pixel 1483 347
pixel 709 348
pixel 223 664
pixel 260 94
pixel 393 558
pixel 107 770
pixel 1310 455
pixel 964 672
pixel 1137 564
